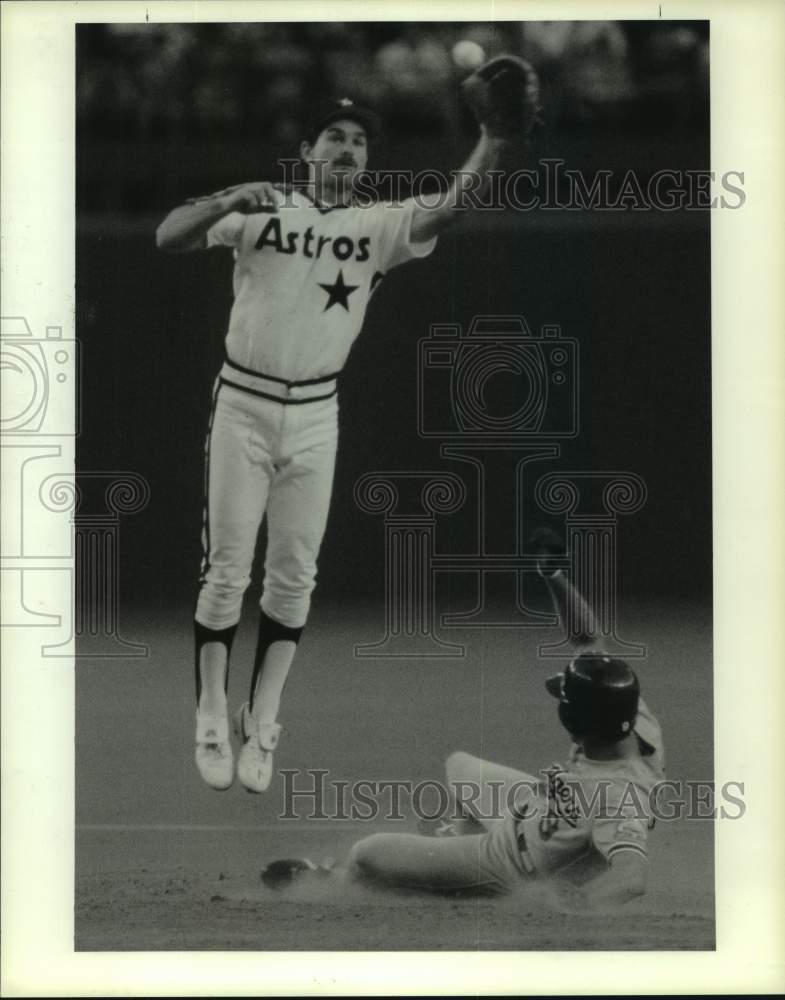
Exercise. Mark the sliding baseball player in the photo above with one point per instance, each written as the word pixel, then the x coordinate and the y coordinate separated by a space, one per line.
pixel 506 829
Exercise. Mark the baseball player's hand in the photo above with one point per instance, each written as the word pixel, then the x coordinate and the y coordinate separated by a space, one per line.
pixel 256 196
pixel 250 197
pixel 504 95
pixel 546 544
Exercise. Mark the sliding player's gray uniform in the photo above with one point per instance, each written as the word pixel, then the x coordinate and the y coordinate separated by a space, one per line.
pixel 540 826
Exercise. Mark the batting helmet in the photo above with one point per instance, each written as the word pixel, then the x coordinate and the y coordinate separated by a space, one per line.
pixel 598 697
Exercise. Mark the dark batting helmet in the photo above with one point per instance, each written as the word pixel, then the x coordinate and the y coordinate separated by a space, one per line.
pixel 598 697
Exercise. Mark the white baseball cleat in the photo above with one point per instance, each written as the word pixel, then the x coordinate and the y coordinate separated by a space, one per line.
pixel 214 756
pixel 259 739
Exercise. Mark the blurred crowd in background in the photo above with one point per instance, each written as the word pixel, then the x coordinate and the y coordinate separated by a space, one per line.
pixel 149 79
pixel 145 90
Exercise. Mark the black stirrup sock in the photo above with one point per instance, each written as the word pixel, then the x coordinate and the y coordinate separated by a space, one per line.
pixel 270 631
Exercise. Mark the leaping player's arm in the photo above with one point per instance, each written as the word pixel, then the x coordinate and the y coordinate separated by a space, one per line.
pixel 434 213
pixel 575 615
pixel 186 226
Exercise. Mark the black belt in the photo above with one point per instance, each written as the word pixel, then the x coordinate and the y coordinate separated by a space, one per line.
pixel 282 381
pixel 266 386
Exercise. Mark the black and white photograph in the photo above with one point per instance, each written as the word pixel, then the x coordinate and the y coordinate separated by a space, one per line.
pixel 366 506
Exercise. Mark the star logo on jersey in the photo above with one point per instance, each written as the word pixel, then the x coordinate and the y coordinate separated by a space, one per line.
pixel 338 292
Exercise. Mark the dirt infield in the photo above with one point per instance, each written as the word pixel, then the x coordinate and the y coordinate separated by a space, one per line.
pixel 199 890
pixel 163 863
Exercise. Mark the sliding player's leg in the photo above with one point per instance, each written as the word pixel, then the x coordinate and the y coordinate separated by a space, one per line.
pixel 482 793
pixel 407 860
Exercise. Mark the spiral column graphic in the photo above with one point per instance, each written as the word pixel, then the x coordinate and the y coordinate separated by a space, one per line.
pixel 408 559
pixel 96 617
pixel 592 503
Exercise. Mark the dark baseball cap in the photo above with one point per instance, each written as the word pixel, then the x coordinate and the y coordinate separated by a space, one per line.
pixel 333 110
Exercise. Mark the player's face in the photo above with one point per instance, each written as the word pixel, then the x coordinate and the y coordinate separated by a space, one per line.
pixel 339 153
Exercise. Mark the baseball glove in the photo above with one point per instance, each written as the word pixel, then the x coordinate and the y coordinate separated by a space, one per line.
pixel 504 96
pixel 280 874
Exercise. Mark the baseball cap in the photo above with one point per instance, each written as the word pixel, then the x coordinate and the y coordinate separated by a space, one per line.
pixel 333 110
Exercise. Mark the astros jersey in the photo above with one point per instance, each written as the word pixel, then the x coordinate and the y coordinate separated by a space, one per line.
pixel 303 277
pixel 587 807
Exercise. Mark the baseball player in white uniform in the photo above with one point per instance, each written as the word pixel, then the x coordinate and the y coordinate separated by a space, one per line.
pixel 586 819
pixel 306 263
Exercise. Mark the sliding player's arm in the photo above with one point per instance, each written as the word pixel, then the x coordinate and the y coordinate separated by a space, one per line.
pixel 623 844
pixel 575 615
pixel 624 880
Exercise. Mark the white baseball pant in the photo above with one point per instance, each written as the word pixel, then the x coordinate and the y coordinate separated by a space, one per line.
pixel 270 450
